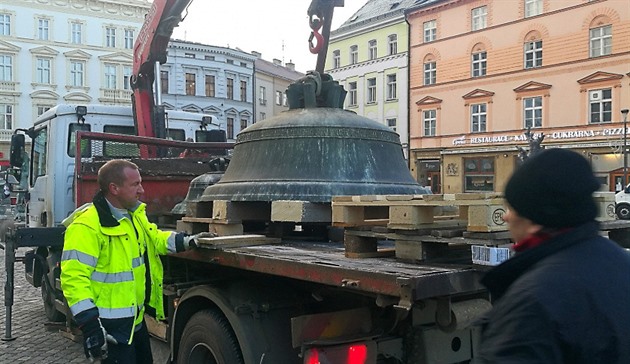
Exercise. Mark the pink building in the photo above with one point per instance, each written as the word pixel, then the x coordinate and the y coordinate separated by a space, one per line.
pixel 483 71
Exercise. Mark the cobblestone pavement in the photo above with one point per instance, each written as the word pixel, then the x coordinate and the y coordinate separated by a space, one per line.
pixel 34 342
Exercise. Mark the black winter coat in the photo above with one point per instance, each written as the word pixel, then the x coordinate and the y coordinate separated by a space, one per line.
pixel 564 301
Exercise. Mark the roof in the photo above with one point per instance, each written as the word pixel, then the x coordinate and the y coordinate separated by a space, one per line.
pixel 277 70
pixel 379 10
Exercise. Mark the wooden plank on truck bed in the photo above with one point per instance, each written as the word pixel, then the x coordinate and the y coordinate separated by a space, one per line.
pixel 239 211
pixel 236 241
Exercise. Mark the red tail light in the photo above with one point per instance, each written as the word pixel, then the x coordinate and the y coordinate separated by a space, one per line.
pixel 357 354
pixel 343 354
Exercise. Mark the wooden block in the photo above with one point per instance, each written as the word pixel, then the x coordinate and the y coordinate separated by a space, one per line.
pixel 226 229
pixel 342 199
pixel 409 250
pixel 300 211
pixel 359 244
pixel 477 195
pixel 410 215
pixel 183 226
pixel 237 211
pixel 199 208
pixel 206 220
pixel 486 218
pixel 433 197
pixel 381 253
pixel 235 241
pixel 347 214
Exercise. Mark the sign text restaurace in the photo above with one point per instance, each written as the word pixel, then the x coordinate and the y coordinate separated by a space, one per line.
pixel 575 134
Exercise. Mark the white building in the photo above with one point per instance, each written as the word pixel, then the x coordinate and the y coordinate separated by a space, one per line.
pixel 212 80
pixel 63 51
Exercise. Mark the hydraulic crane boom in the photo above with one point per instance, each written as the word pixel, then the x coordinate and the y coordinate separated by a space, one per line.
pixel 149 52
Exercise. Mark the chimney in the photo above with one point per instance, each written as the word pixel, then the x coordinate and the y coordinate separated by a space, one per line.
pixel 257 54
pixel 290 65
pixel 277 62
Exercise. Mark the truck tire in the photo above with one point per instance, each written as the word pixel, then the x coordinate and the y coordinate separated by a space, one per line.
pixel 208 338
pixel 48 298
pixel 623 211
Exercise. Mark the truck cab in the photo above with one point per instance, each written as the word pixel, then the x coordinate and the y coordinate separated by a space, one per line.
pixel 53 146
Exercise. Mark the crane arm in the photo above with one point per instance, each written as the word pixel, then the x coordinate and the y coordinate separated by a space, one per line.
pixel 149 49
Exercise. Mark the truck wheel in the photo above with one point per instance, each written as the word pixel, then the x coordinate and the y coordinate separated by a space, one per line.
pixel 48 297
pixel 208 338
pixel 623 211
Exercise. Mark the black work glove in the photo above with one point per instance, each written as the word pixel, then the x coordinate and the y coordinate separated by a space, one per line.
pixel 94 342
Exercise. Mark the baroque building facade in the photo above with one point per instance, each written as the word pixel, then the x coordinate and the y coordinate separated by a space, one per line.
pixel 368 56
pixel 63 51
pixel 483 72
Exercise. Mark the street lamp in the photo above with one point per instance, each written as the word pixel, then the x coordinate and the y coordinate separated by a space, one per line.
pixel 624 112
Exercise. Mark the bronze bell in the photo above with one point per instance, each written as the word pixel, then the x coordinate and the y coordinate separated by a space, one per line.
pixel 314 151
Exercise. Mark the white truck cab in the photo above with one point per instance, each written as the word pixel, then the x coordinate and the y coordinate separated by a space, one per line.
pixel 52 154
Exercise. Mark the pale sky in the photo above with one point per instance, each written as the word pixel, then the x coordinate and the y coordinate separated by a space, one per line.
pixel 258 25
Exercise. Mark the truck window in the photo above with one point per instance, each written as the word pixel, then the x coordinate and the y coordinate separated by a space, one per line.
pixel 72 140
pixel 40 148
pixel 175 134
pixel 117 149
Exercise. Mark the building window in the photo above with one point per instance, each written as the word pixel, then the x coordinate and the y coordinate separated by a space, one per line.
pixel 128 38
pixel 127 77
pixel 479 18
pixel 6 116
pixel 110 76
pixel 391 123
pixel 336 58
pixel 430 73
pixel 391 87
pixel 600 105
pixel 284 99
pixel 478 118
pixel 478 174
pixel 244 91
pixel 533 8
pixel 43 26
pixel 230 61
pixel 601 41
pixel 110 37
pixel 230 128
pixel 371 90
pixel 533 54
pixel 5 24
pixel 354 54
pixel 430 31
pixel 76 33
pixel 77 73
pixel 42 109
pixel 263 95
pixel 209 58
pixel 532 112
pixel 189 55
pixel 191 84
pixel 6 67
pixel 352 93
pixel 263 116
pixel 230 89
pixel 372 50
pixel 43 70
pixel 243 124
pixel 429 120
pixel 278 98
pixel 210 89
pixel 479 64
pixel 392 43
pixel 164 81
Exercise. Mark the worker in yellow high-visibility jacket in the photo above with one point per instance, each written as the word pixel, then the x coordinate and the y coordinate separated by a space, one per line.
pixel 111 271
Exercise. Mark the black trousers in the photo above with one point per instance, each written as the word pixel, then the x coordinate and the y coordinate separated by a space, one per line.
pixel 139 352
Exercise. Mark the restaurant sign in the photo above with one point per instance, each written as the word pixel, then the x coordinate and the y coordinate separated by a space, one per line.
pixel 556 135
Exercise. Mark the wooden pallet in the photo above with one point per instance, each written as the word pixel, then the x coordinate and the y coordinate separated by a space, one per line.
pixel 481 211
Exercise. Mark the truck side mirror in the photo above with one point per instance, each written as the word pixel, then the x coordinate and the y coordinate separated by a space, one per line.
pixel 17 150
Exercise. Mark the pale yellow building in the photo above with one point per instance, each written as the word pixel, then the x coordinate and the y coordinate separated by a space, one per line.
pixel 483 71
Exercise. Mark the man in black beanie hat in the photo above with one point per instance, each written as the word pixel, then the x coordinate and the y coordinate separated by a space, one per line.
pixel 565 296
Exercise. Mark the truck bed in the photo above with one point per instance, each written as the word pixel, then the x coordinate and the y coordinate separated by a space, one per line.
pixel 325 263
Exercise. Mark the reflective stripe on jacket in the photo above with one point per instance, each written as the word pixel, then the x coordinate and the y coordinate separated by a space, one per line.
pixel 103 265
